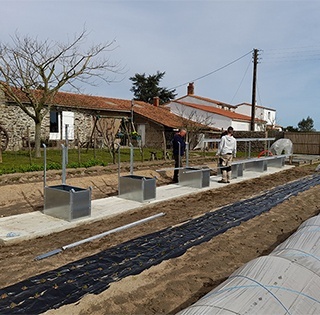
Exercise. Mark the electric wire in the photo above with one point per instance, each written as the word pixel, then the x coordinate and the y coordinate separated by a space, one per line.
pixel 245 73
pixel 291 54
pixel 212 72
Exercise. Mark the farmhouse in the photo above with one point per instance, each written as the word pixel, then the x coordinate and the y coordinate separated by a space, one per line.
pixel 83 119
pixel 219 114
pixel 73 110
pixel 263 113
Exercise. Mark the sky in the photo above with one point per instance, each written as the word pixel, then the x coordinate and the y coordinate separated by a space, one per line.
pixel 208 42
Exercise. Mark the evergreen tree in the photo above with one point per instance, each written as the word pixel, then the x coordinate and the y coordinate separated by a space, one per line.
pixel 145 88
pixel 306 124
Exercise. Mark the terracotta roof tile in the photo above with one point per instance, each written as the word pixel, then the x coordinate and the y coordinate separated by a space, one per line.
pixel 206 100
pixel 217 111
pixel 158 114
pixel 162 115
pixel 259 106
pixel 91 102
pixel 81 101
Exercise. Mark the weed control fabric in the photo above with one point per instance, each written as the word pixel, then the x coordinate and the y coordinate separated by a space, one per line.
pixel 94 274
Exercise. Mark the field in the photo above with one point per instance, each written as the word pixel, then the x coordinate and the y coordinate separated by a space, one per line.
pixel 176 283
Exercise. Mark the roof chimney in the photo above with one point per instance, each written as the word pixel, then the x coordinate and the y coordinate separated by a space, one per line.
pixel 191 88
pixel 156 101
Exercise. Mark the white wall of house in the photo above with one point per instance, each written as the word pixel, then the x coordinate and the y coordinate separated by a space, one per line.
pixel 193 100
pixel 246 126
pixel 141 129
pixel 212 119
pixel 263 113
pixel 67 118
pixel 193 114
pixel 244 109
pixel 268 115
pixel 240 125
pixel 209 119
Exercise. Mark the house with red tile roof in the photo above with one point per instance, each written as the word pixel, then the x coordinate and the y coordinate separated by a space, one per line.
pixel 80 118
pixel 214 113
pixel 263 113
pixel 155 123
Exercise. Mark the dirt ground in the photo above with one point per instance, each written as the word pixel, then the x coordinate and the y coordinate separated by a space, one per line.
pixel 176 283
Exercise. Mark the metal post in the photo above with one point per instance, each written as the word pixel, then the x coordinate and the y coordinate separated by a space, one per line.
pixel 67 142
pixel 245 148
pixel 131 159
pixel 119 163
pixel 249 149
pixel 63 165
pixel 187 154
pixel 44 167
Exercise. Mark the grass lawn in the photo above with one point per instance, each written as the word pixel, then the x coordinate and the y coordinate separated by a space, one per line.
pixel 20 161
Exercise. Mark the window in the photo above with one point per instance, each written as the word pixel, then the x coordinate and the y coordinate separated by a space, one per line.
pixel 54 121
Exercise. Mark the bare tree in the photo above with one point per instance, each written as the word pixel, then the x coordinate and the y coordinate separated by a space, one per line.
pixel 195 123
pixel 33 71
pixel 108 128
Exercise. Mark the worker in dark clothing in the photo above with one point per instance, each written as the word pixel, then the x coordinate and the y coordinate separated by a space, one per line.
pixel 178 149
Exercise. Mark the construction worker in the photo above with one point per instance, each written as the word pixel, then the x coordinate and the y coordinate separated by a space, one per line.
pixel 226 151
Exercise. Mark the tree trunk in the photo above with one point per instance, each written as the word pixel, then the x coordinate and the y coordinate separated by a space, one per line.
pixel 37 139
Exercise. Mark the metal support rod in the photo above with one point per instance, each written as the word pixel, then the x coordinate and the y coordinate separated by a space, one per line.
pixel 196 170
pixel 187 154
pixel 131 159
pixel 89 239
pixel 44 167
pixel 172 169
pixel 245 148
pixel 67 142
pixel 63 165
pixel 48 254
pixel 119 163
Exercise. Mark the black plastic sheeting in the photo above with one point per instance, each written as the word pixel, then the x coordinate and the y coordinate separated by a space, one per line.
pixel 94 274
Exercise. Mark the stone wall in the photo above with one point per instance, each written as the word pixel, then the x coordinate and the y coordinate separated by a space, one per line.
pixel 153 132
pixel 18 124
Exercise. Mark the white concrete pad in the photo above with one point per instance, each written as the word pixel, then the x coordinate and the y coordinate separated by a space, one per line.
pixel 21 227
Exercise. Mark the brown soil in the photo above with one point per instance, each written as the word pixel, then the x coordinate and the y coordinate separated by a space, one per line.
pixel 176 283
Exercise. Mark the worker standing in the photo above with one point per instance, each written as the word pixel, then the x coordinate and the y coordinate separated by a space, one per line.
pixel 178 149
pixel 227 150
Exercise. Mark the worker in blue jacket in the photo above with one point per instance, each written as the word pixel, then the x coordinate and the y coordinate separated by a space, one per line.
pixel 178 150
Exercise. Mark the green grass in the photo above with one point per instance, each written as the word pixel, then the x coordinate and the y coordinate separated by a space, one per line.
pixel 20 161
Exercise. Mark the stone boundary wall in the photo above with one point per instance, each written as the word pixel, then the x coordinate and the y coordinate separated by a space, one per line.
pixel 16 123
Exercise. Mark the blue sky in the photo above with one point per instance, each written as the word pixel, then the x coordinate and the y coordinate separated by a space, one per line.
pixel 190 39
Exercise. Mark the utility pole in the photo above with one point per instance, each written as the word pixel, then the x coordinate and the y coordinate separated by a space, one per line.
pixel 254 87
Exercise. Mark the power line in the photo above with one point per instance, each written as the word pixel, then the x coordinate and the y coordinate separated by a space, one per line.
pixel 214 71
pixel 292 54
pixel 245 73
